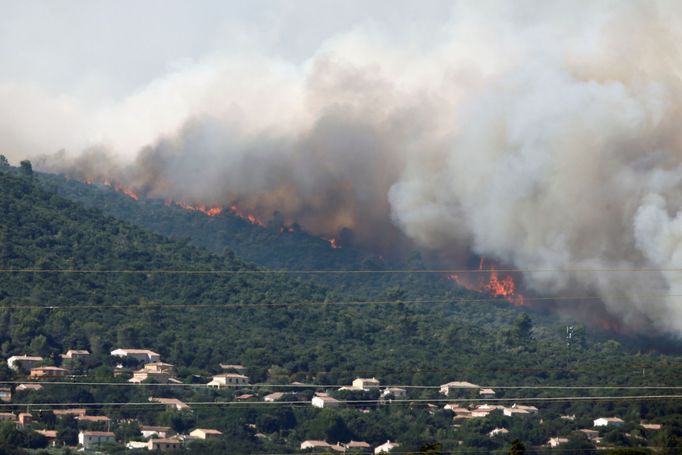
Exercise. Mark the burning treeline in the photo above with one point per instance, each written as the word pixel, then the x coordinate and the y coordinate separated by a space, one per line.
pixel 523 135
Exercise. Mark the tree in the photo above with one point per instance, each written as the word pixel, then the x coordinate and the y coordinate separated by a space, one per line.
pixel 26 168
pixel 517 448
pixel 523 327
pixel 3 161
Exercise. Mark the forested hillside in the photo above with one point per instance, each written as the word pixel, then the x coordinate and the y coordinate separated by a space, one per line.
pixel 272 245
pixel 74 278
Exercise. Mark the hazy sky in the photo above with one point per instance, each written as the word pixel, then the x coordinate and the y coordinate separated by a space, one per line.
pixel 107 48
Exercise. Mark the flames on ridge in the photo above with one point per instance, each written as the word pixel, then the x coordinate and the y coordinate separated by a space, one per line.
pixel 207 210
pixel 487 280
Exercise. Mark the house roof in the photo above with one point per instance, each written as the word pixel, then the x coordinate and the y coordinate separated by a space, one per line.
pixel 358 444
pixel 231 375
pixel 49 369
pixel 460 385
pixel 207 431
pixel 72 411
pixel 274 396
pixel 99 433
pixel 134 351
pixel 153 428
pixel 29 387
pixel 93 418
pixel 34 358
pixel 50 434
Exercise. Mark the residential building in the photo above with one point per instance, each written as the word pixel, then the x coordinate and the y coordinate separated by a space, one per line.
pixel 555 442
pixel 396 392
pixel 160 377
pixel 365 383
pixel 93 439
pixel 274 396
pixel 205 433
pixel 24 361
pixel 5 394
pixel 159 432
pixel 164 444
pixel 650 426
pixel 357 446
pixel 486 393
pixel 171 403
pixel 7 416
pixel 228 380
pixel 519 409
pixel 93 419
pixel 48 372
pixel 497 432
pixel 484 410
pixel 32 387
pixel 59 413
pixel 24 420
pixel 454 386
pixel 314 444
pixel 141 355
pixel 245 396
pixel 75 354
pixel 608 422
pixel 386 447
pixel 323 400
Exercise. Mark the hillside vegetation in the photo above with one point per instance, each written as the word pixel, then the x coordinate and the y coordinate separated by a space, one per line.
pixel 128 287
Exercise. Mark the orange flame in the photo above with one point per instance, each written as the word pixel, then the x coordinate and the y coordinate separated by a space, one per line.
pixel 333 244
pixel 492 285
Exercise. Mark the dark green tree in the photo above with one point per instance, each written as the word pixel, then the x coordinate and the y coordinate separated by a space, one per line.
pixel 26 168
pixel 517 448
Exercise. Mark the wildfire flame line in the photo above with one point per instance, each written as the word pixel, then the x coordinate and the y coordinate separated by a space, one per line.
pixel 491 285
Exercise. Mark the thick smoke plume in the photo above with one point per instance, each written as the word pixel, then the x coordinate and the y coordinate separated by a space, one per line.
pixel 545 135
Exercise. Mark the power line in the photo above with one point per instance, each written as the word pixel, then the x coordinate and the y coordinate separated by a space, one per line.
pixel 328 386
pixel 313 271
pixel 354 402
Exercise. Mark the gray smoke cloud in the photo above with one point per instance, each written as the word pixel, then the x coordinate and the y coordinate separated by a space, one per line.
pixel 542 135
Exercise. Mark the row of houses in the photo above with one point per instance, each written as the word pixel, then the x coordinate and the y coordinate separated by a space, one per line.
pixel 352 446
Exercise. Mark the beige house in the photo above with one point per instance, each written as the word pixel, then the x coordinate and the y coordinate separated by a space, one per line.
pixel 75 354
pixel 93 439
pixel 228 380
pixel 141 355
pixel 365 383
pixel 397 392
pixel 7 416
pixel 164 444
pixel 24 419
pixel 24 361
pixel 486 393
pixel 93 419
pixel 519 409
pixel 454 386
pixel 205 433
pixel 69 412
pixel 276 396
pixel 33 387
pixel 497 432
pixel 48 373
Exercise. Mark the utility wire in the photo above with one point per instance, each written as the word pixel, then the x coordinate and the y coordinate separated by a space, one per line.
pixel 355 402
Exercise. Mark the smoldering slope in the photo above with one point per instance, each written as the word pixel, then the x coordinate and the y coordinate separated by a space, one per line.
pixel 545 136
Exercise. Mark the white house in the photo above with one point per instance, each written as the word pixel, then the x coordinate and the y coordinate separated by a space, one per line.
pixel 608 422
pixel 314 444
pixel 325 401
pixel 365 383
pixel 228 379
pixel 554 442
pixel 497 431
pixel 164 444
pixel 450 387
pixel 205 433
pixel 519 409
pixel 397 392
pixel 159 432
pixel 141 355
pixel 25 361
pixel 93 439
pixel 386 447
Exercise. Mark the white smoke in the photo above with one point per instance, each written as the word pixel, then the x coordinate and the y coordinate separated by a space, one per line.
pixel 544 135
